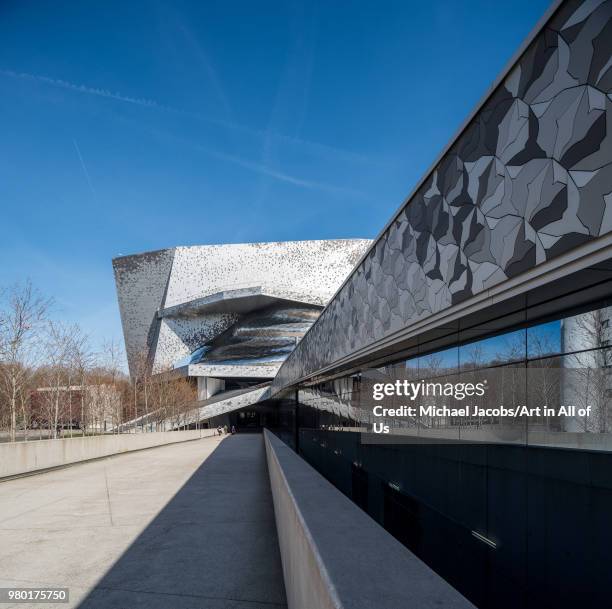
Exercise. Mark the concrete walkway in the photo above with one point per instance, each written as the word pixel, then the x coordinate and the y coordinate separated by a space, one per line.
pixel 184 526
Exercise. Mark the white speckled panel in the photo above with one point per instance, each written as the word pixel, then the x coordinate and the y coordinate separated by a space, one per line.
pixel 300 271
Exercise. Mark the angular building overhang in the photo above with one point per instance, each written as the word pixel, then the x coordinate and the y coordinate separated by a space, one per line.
pixel 241 300
pixel 264 371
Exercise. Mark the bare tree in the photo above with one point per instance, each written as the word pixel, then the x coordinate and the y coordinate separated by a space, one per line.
pixel 62 341
pixel 142 379
pixel 82 360
pixel 586 379
pixel 98 402
pixel 179 398
pixel 113 363
pixel 24 314
pixel 25 405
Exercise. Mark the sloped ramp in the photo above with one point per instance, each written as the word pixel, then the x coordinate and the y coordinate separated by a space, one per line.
pixel 227 401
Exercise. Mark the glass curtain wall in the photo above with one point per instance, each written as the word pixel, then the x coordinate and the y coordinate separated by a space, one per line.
pixel 561 362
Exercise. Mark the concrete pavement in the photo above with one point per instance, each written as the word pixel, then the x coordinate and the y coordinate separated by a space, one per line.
pixel 185 526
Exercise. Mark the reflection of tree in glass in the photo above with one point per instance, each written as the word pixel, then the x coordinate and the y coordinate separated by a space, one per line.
pixel 543 387
pixel 586 383
pixel 431 370
pixel 512 348
pixel 511 378
pixel 430 365
pixel 473 355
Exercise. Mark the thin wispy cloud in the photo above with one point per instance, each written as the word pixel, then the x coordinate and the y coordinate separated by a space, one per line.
pixel 256 167
pixel 84 167
pixel 209 70
pixel 330 152
pixel 64 84
pixel 279 175
pixel 291 100
pixel 184 46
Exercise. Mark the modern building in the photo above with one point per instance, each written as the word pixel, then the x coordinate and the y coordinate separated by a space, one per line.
pixel 226 316
pixel 497 267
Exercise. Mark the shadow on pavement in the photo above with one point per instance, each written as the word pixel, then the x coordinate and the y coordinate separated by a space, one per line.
pixel 213 546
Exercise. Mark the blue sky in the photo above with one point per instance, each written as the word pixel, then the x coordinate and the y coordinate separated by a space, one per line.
pixel 130 126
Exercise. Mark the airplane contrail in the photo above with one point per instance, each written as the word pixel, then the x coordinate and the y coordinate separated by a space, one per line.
pixel 84 167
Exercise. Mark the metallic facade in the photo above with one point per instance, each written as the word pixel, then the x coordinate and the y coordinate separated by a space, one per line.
pixel 528 180
pixel 231 310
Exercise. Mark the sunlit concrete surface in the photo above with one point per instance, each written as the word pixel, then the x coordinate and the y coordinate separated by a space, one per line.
pixel 36 434
pixel 184 526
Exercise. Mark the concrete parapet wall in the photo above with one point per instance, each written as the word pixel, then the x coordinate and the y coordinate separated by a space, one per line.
pixel 18 458
pixel 334 555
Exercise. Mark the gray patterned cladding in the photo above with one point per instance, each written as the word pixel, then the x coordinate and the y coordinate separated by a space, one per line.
pixel 528 179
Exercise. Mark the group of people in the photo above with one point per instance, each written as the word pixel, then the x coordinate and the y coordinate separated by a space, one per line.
pixel 224 430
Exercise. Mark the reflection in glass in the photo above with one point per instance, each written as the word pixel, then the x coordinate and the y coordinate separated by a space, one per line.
pixel 544 340
pixel 438 363
pixel 266 336
pixel 566 362
pixel 586 382
pixel 493 351
pixel 590 330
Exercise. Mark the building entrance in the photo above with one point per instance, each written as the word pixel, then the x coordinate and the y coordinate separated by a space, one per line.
pixel 246 420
